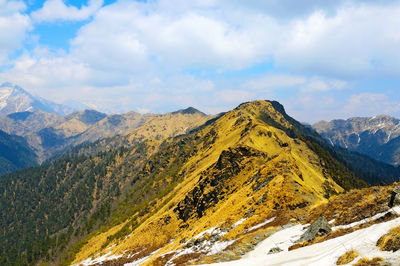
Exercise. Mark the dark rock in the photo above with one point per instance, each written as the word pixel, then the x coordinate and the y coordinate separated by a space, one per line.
pixel 395 197
pixel 214 238
pixel 274 250
pixel 167 219
pixel 319 227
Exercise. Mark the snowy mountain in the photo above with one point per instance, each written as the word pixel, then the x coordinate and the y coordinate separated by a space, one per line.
pixel 15 99
pixel 377 136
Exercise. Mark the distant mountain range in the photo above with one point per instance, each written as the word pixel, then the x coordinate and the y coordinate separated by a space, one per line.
pixel 15 99
pixel 377 137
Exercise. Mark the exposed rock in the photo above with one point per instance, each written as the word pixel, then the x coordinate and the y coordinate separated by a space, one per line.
pixel 395 197
pixel 319 227
pixel 275 250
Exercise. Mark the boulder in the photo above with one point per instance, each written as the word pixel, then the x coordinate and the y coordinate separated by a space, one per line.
pixel 319 227
pixel 275 250
pixel 395 196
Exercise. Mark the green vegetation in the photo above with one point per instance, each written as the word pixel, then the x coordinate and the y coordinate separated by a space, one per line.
pixel 44 207
pixel 14 153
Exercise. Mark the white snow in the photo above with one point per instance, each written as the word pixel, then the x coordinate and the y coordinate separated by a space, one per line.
pixel 141 260
pixel 324 253
pixel 331 142
pixel 366 220
pixel 260 224
pixel 282 239
pixel 207 246
pixel 101 259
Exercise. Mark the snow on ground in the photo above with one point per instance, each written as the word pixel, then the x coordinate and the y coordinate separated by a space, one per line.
pixel 208 246
pixel 282 239
pixel 101 259
pixel 366 220
pixel 324 253
pixel 141 260
pixel 260 224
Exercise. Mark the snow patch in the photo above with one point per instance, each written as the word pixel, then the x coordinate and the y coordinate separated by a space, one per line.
pixel 324 253
pixel 260 224
pixel 366 220
pixel 141 260
pixel 208 246
pixel 99 260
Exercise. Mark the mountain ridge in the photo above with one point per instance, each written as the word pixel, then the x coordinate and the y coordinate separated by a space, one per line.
pixel 176 189
pixel 377 136
pixel 224 166
pixel 15 99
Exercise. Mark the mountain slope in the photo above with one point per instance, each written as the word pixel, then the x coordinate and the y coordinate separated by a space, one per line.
pixel 14 99
pixel 377 137
pixel 47 208
pixel 244 164
pixel 171 190
pixel 48 133
pixel 14 153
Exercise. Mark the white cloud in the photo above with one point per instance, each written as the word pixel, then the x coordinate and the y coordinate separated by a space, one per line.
pixel 233 96
pixel 54 10
pixel 357 41
pixel 274 82
pixel 139 53
pixel 14 26
pixel 311 107
pixel 371 104
pixel 128 36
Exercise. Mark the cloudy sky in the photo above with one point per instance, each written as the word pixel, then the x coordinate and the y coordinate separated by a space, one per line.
pixel 322 59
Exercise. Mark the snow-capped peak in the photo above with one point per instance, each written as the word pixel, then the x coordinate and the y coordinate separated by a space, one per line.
pixel 15 99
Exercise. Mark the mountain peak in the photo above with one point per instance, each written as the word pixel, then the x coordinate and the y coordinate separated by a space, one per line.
pixel 88 116
pixel 14 99
pixel 189 110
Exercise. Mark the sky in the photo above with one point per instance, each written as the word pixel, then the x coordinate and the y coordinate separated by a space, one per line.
pixel 322 59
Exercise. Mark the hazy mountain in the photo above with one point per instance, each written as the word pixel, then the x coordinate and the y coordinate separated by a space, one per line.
pixel 15 99
pixel 49 133
pixel 377 137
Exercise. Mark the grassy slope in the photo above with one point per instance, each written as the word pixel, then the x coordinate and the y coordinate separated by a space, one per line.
pixel 244 162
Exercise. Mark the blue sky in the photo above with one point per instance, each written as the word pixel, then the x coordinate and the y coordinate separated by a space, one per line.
pixel 322 59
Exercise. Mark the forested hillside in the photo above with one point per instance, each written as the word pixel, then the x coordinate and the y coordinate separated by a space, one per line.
pixel 14 153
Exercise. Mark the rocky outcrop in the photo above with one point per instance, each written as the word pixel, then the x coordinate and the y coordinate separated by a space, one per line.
pixel 319 227
pixel 212 187
pixel 395 196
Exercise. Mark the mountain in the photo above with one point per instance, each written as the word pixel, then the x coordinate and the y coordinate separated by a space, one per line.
pixel 49 133
pixel 377 137
pixel 14 153
pixel 153 191
pixel 15 99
